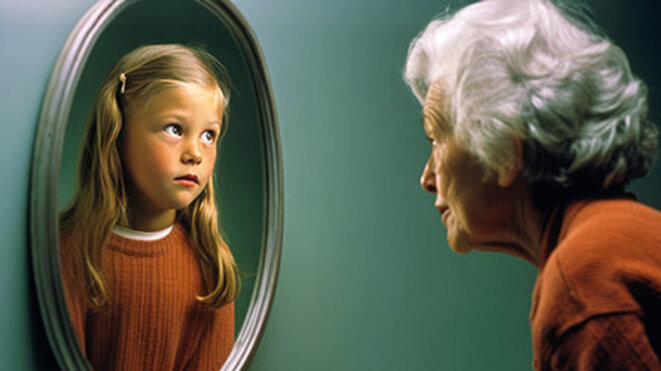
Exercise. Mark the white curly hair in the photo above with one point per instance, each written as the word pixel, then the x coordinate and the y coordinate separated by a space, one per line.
pixel 531 70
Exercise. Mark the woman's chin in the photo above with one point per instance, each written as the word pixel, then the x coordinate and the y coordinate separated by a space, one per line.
pixel 461 250
pixel 458 246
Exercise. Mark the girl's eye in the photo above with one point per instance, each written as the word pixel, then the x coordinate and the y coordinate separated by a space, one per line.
pixel 208 136
pixel 173 130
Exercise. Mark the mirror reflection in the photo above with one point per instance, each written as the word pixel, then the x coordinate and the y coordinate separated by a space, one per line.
pixel 172 155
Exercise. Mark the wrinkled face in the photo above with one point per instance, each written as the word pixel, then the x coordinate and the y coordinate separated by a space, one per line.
pixel 169 147
pixel 474 207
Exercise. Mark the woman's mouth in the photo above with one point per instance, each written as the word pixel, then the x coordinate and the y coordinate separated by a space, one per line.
pixel 444 210
pixel 444 216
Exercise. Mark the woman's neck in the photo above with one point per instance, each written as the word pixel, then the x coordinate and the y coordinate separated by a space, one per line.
pixel 533 224
pixel 528 224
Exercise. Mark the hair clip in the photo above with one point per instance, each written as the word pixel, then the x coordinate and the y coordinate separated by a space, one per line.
pixel 122 78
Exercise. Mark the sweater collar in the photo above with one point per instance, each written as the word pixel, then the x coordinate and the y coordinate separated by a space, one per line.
pixel 132 234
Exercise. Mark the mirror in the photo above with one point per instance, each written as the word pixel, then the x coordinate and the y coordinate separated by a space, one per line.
pixel 247 174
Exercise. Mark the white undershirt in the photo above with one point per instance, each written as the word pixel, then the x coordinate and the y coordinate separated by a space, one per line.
pixel 140 235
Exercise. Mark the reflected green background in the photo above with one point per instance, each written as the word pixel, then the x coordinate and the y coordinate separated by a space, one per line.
pixel 367 281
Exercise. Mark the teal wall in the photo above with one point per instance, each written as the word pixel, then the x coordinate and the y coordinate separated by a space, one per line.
pixel 367 281
pixel 31 35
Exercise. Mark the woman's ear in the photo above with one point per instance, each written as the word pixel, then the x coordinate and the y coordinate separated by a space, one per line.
pixel 509 172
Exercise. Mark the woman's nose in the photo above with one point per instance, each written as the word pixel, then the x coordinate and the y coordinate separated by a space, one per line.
pixel 428 179
pixel 192 153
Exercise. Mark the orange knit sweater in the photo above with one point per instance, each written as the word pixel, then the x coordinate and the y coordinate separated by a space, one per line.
pixel 597 299
pixel 153 321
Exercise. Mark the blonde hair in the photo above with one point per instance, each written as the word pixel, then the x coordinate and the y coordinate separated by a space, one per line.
pixel 101 200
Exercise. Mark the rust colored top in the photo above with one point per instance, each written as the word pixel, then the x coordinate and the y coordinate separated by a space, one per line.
pixel 153 321
pixel 597 299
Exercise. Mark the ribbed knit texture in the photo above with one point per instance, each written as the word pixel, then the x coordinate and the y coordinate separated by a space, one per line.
pixel 153 321
pixel 597 299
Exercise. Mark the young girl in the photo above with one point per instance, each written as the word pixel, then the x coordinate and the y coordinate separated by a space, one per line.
pixel 149 281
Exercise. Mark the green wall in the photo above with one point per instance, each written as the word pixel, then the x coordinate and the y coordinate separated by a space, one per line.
pixel 367 281
pixel 31 35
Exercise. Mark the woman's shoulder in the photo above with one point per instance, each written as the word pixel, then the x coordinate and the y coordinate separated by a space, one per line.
pixel 610 210
pixel 606 234
pixel 623 227
pixel 607 262
pixel 606 249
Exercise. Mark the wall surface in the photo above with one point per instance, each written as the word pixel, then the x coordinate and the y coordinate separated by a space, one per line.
pixel 31 35
pixel 367 280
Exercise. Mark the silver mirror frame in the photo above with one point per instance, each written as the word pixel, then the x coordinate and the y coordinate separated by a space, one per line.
pixel 46 162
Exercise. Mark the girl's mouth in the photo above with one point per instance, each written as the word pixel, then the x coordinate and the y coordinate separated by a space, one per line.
pixel 188 179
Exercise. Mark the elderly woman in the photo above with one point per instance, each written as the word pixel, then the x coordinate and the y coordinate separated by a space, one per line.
pixel 536 126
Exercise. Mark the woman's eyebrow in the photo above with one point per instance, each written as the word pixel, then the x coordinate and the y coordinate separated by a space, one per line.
pixel 425 129
pixel 428 126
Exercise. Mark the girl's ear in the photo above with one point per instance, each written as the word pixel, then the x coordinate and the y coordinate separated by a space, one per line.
pixel 509 172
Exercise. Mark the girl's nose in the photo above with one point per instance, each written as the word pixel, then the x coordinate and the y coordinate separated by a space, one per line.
pixel 428 179
pixel 192 153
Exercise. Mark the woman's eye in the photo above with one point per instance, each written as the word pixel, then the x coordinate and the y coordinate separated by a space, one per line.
pixel 173 130
pixel 208 136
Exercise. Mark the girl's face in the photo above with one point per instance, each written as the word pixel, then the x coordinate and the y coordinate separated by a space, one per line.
pixel 168 150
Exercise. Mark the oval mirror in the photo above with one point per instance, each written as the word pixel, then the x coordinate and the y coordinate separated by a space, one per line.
pixel 247 173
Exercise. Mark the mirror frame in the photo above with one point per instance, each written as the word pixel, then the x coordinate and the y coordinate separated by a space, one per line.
pixel 46 162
